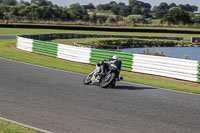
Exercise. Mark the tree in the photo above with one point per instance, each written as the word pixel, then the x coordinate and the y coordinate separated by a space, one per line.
pixel 65 14
pixel 172 5
pixel 115 10
pixel 177 15
pixel 194 8
pixel 119 18
pixel 136 10
pixel 121 4
pixel 111 20
pixel 24 2
pixel 93 18
pixel 102 18
pixel 125 11
pixel 161 10
pixel 3 10
pixel 89 6
pixel 18 10
pixel 188 8
pixel 139 7
pixel 78 11
pixel 196 19
pixel 42 3
pixel 136 19
pixel 132 3
pixel 104 7
pixel 10 2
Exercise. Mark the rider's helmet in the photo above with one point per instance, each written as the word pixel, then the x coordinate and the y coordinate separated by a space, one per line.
pixel 115 57
pixel 99 63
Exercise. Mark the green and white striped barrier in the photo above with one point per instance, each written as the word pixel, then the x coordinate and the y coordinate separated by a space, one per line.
pixel 126 58
pixel 45 48
pixel 198 75
pixel 188 70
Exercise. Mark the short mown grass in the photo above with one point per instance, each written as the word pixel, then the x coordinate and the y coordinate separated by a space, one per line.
pixel 86 41
pixel 7 52
pixel 7 127
pixel 21 31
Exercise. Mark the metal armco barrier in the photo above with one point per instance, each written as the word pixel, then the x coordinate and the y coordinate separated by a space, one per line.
pixel 46 37
pixel 91 28
pixel 182 69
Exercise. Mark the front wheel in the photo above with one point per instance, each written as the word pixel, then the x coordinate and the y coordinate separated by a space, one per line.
pixel 108 80
pixel 88 79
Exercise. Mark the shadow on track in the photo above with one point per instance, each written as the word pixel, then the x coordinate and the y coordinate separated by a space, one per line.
pixel 123 87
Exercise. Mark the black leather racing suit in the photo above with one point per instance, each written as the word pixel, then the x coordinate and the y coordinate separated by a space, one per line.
pixel 106 64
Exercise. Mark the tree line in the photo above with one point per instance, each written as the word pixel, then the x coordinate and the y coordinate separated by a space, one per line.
pixel 135 12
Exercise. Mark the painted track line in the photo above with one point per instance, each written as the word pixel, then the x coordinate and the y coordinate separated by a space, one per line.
pixel 26 126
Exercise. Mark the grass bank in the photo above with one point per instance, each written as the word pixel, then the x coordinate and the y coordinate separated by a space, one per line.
pixel 84 41
pixel 7 127
pixel 20 31
pixel 156 81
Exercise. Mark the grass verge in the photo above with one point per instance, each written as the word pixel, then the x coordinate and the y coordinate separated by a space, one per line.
pixel 7 127
pixel 87 41
pixel 21 31
pixel 123 42
pixel 156 81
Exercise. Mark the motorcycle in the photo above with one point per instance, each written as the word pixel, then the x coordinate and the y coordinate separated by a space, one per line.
pixel 107 80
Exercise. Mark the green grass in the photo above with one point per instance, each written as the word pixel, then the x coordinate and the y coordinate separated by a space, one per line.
pixel 156 81
pixel 20 31
pixel 86 42
pixel 81 40
pixel 7 127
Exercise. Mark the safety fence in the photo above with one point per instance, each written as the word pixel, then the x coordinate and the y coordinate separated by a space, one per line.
pixel 46 37
pixel 93 28
pixel 182 69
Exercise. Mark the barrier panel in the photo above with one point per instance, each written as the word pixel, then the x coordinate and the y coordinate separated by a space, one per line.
pixel 188 70
pixel 46 37
pixel 168 67
pixel 45 48
pixel 126 58
pixel 24 44
pixel 74 53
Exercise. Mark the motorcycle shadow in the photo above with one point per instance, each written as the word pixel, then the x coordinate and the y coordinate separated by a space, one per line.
pixel 123 87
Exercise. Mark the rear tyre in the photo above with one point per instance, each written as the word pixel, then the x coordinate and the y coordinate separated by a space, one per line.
pixel 113 83
pixel 108 80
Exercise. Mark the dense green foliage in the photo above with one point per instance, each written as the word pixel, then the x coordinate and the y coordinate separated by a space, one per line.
pixel 134 43
pixel 135 12
pixel 177 16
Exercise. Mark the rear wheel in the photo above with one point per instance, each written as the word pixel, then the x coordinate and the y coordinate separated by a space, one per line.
pixel 113 83
pixel 87 80
pixel 108 80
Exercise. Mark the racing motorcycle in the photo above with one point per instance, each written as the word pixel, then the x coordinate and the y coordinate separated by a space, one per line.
pixel 107 80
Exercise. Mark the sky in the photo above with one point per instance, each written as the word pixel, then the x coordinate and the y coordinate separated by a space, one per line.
pixel 96 2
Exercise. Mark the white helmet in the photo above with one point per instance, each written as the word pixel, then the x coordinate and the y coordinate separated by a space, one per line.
pixel 115 57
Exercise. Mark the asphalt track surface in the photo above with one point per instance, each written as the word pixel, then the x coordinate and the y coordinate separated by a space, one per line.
pixel 7 37
pixel 57 101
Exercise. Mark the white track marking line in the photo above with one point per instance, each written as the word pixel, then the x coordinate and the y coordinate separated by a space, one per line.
pixel 26 126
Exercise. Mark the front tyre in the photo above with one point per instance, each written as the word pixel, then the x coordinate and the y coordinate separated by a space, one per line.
pixel 88 79
pixel 108 80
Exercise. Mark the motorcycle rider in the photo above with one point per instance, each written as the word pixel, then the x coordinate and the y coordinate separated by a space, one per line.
pixel 105 64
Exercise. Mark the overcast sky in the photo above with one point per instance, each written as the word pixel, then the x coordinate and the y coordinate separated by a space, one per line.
pixel 96 2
